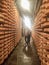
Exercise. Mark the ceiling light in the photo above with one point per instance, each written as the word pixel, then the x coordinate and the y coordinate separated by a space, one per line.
pixel 25 4
pixel 27 22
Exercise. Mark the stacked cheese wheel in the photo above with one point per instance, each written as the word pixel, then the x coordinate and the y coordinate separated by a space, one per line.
pixel 10 32
pixel 41 32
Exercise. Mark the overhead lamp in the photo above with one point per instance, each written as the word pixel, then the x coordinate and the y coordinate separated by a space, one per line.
pixel 27 22
pixel 25 4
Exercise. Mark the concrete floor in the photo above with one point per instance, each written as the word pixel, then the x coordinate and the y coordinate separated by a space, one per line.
pixel 23 55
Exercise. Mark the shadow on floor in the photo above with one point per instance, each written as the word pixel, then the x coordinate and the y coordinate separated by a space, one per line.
pixel 27 50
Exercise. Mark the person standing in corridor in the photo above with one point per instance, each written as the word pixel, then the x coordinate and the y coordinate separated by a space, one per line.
pixel 27 37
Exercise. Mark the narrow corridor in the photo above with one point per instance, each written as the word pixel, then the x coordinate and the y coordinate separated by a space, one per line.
pixel 28 18
pixel 23 56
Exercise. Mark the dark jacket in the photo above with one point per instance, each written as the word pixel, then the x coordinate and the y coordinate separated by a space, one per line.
pixel 27 38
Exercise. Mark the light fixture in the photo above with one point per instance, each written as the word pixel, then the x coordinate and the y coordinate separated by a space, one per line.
pixel 25 4
pixel 27 22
